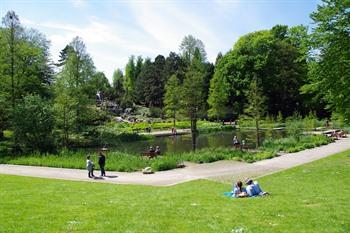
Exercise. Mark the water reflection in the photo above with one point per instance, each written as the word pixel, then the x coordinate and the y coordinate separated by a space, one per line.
pixel 183 143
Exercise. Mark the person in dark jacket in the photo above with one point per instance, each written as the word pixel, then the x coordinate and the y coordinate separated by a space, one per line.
pixel 102 163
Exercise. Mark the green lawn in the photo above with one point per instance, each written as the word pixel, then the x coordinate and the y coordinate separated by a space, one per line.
pixel 309 198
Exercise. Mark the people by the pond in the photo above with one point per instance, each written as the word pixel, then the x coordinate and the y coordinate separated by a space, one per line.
pixel 253 188
pixel 151 149
pixel 90 167
pixel 235 142
pixel 157 151
pixel 243 145
pixel 238 190
pixel 173 131
pixel 102 163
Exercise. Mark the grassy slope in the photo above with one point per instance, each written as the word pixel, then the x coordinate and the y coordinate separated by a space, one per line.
pixel 309 198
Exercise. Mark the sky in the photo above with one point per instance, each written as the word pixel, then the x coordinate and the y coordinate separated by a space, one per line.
pixel 114 30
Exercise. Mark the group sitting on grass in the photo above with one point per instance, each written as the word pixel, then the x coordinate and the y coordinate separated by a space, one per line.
pixel 252 189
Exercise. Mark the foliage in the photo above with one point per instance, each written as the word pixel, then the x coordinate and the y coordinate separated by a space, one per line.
pixel 171 98
pixel 331 39
pixel 294 126
pixel 255 108
pixel 33 124
pixel 118 88
pixel 192 100
pixel 273 56
pixel 188 47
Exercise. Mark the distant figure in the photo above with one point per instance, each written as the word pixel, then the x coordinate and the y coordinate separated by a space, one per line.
pixel 173 131
pixel 243 145
pixel 151 149
pixel 90 167
pixel 253 188
pixel 102 163
pixel 326 124
pixel 235 142
pixel 157 150
pixel 238 190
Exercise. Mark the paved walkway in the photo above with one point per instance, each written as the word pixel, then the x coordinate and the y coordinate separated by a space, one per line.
pixel 224 171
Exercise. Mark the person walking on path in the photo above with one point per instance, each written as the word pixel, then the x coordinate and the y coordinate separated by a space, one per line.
pixel 102 163
pixel 90 167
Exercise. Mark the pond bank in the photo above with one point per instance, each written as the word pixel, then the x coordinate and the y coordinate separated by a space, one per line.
pixel 224 171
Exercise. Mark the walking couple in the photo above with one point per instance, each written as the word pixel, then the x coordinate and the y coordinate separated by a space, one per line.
pixel 90 165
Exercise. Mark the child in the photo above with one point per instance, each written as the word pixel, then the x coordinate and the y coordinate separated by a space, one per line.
pixel 90 167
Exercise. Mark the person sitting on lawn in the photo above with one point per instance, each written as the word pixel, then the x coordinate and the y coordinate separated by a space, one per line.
pixel 253 188
pixel 90 167
pixel 239 190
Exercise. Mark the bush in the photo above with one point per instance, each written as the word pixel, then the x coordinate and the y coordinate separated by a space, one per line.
pixel 33 123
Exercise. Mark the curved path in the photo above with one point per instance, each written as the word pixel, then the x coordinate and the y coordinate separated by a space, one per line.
pixel 221 170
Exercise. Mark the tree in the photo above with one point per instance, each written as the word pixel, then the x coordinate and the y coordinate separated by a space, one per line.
pixel 64 55
pixel 98 82
pixel 256 105
pixel 33 121
pixel 171 98
pixel 75 76
pixel 218 96
pixel 118 88
pixel 65 104
pixel 11 21
pixel 130 78
pixel 188 47
pixel 151 82
pixel 330 42
pixel 278 62
pixel 192 100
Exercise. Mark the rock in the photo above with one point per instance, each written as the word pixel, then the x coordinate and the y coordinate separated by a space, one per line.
pixel 147 170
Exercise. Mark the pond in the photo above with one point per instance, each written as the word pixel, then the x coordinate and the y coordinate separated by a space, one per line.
pixel 183 143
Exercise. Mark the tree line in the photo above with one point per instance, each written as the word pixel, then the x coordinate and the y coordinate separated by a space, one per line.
pixel 281 70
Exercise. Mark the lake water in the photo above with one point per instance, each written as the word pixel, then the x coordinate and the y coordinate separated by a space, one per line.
pixel 183 143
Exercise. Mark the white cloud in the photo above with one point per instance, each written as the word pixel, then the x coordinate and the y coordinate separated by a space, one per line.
pixel 78 3
pixel 158 28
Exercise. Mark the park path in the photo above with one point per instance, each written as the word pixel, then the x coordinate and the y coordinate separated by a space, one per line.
pixel 224 171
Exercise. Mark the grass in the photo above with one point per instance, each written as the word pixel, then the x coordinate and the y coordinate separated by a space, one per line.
pixel 124 162
pixel 291 144
pixel 119 161
pixel 310 198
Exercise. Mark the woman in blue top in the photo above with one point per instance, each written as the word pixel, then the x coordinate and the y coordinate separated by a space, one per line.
pixel 239 190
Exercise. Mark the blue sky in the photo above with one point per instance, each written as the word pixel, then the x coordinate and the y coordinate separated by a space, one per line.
pixel 114 30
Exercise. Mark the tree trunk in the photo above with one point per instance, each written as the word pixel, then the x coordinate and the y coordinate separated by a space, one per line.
pixel 194 133
pixel 257 133
pixel 174 119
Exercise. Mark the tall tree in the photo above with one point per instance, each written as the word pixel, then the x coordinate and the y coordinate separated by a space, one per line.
pixel 256 105
pixel 188 48
pixel 130 78
pixel 192 100
pixel 171 98
pixel 75 76
pixel 118 88
pixel 11 21
pixel 331 46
